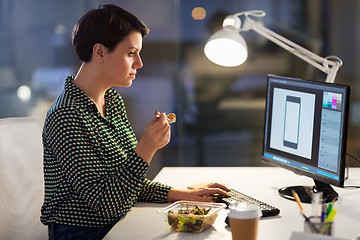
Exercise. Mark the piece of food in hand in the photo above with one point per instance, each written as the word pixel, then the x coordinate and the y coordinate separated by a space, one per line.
pixel 157 114
pixel 171 118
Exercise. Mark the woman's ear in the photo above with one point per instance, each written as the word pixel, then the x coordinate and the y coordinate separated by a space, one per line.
pixel 99 52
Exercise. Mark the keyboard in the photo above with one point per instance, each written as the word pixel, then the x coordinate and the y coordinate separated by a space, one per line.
pixel 235 195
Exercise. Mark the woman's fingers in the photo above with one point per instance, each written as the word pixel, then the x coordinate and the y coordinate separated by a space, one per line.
pixel 217 185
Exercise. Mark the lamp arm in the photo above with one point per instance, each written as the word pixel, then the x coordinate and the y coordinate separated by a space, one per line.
pixel 330 67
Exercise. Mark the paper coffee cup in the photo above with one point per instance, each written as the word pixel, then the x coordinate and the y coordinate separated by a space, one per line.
pixel 244 221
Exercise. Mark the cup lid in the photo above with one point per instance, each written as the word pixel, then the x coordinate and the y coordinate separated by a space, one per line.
pixel 244 210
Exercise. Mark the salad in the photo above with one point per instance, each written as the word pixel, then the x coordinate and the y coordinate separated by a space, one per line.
pixel 193 219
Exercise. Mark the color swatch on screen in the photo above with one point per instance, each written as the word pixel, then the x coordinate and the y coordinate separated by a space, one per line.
pixel 332 100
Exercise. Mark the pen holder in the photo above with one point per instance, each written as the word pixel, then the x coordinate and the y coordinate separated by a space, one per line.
pixel 314 225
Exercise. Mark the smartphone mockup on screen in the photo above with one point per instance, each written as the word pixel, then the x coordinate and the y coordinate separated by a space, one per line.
pixel 292 121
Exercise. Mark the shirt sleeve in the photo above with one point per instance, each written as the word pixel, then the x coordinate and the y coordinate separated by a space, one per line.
pixel 153 192
pixel 110 192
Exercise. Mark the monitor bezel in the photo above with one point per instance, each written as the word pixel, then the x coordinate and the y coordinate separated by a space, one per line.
pixel 334 182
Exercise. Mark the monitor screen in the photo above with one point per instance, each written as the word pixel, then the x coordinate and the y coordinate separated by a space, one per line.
pixel 306 128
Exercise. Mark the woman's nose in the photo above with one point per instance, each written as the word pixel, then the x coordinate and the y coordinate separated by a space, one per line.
pixel 138 63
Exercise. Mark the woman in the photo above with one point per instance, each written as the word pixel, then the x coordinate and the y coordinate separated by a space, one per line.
pixel 93 164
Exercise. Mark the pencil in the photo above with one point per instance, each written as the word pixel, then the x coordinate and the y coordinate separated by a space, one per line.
pixel 297 199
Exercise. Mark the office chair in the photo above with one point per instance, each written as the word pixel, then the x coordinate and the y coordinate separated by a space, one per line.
pixel 21 179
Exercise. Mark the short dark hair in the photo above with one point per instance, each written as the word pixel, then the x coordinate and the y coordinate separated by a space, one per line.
pixel 107 25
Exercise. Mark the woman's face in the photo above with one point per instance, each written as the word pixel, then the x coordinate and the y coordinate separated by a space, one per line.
pixel 121 64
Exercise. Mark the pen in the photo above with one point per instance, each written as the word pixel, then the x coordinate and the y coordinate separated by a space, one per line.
pixel 331 216
pixel 323 211
pixel 329 219
pixel 329 209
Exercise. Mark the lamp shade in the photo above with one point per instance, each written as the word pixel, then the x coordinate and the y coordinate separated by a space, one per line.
pixel 226 48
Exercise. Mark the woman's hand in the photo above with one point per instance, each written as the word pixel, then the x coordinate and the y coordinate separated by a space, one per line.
pixel 156 135
pixel 204 193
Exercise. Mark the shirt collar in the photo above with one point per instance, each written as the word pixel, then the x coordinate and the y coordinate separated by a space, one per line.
pixel 82 99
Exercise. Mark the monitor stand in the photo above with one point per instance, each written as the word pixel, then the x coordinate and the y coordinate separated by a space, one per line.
pixel 305 192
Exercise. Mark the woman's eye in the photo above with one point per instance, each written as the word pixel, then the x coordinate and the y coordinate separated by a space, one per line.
pixel 132 54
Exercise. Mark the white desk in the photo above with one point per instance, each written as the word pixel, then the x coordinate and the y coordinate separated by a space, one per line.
pixel 143 221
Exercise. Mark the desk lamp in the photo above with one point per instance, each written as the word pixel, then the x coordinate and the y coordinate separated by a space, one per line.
pixel 228 48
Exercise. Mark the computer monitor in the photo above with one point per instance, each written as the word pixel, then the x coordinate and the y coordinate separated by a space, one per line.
pixel 305 131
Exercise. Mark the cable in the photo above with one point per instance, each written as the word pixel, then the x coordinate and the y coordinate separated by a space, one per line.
pixel 351 187
pixel 352 156
pixel 256 13
pixel 357 159
pixel 335 58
